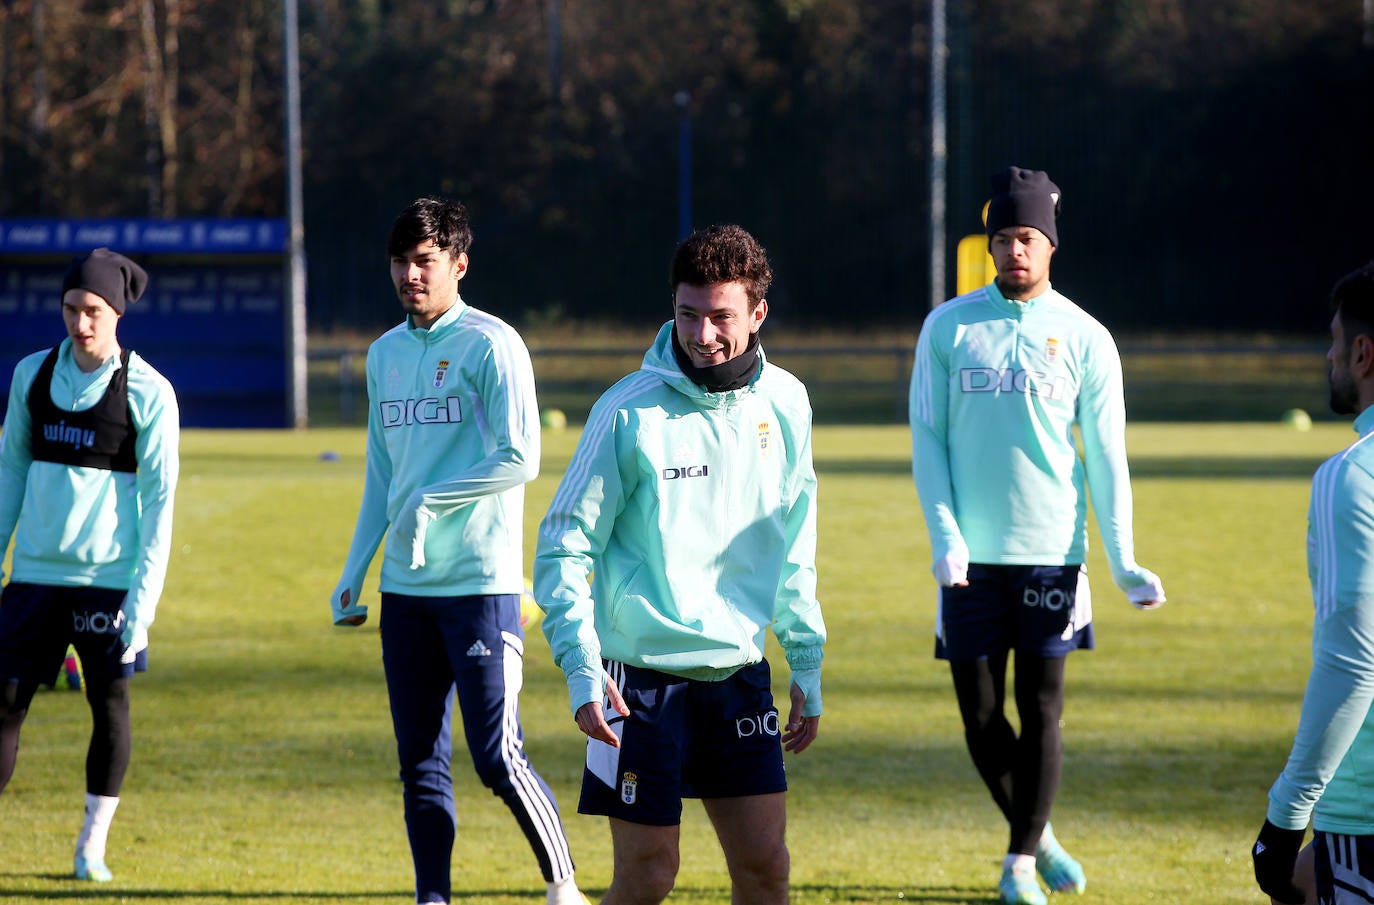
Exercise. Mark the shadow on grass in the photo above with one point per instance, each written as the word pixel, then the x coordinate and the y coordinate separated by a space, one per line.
pixel 1225 466
pixel 115 893
pixel 947 895
pixel 1135 778
pixel 904 690
pixel 1202 467
pixel 826 466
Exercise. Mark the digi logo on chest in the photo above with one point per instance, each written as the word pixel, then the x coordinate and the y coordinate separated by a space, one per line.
pixel 396 412
pixel 686 471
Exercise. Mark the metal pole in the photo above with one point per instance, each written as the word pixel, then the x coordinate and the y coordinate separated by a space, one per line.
pixel 6 104
pixel 683 100
pixel 939 152
pixel 297 405
pixel 555 121
pixel 555 28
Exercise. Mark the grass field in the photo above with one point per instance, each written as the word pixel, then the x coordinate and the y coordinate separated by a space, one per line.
pixel 862 378
pixel 264 771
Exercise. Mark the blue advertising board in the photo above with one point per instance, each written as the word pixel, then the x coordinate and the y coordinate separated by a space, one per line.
pixel 213 319
pixel 19 236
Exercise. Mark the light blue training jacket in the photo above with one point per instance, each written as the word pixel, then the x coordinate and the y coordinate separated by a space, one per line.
pixel 684 527
pixel 1329 776
pixel 996 390
pixel 452 438
pixel 75 526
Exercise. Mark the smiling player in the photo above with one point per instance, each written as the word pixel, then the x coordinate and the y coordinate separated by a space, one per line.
pixel 683 529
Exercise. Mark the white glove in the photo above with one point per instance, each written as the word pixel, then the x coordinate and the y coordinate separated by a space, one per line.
pixel 951 569
pixel 134 637
pixel 1149 593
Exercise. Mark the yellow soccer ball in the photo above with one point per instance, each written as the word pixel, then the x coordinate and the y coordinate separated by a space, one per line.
pixel 1297 419
pixel 530 613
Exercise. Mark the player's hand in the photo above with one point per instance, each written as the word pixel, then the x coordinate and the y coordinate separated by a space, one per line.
pixel 800 731
pixel 951 571
pixel 1305 875
pixel 344 612
pixel 1149 595
pixel 133 638
pixel 591 718
pixel 1275 854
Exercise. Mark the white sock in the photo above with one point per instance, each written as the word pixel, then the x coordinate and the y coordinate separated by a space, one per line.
pixel 1018 861
pixel 95 829
pixel 564 892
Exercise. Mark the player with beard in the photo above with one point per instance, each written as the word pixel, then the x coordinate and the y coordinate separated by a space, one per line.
pixel 1329 778
pixel 1002 376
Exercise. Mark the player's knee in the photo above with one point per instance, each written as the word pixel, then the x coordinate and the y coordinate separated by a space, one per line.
pixel 989 739
pixel 653 881
pixel 15 699
pixel 763 867
pixel 427 779
pixel 496 774
pixel 11 718
pixel 109 703
pixel 648 875
pixel 1041 717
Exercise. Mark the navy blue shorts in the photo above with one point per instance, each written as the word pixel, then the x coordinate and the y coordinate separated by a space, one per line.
pixel 38 621
pixel 684 739
pixel 1345 869
pixel 1042 610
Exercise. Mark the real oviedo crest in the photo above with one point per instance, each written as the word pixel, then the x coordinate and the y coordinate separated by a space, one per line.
pixel 440 373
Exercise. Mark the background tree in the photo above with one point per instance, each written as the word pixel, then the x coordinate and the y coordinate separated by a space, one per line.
pixel 1214 157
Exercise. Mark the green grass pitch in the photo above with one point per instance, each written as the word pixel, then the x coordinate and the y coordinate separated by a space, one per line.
pixel 264 773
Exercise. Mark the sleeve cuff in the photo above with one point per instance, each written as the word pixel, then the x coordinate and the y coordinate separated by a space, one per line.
pixel 1290 807
pixel 809 681
pixel 586 684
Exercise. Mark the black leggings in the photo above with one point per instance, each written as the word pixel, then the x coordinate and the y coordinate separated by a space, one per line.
pixel 1022 773
pixel 107 757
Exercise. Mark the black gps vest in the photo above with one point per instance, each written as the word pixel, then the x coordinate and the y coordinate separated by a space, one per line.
pixel 101 436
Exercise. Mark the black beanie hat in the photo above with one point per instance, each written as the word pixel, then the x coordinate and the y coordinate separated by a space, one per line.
pixel 109 275
pixel 1022 197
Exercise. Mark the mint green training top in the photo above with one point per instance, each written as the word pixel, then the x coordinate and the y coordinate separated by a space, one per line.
pixel 996 390
pixel 684 527
pixel 452 438
pixel 1329 776
pixel 75 526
